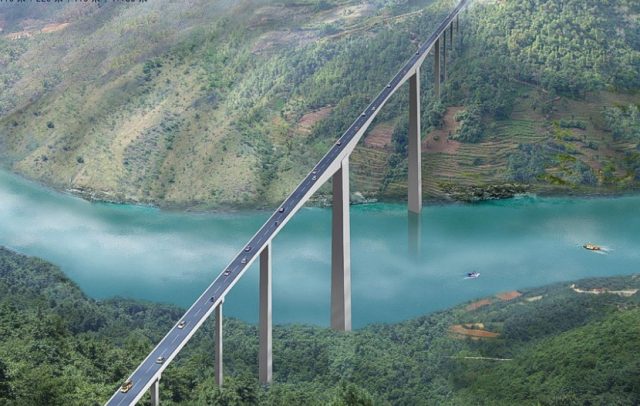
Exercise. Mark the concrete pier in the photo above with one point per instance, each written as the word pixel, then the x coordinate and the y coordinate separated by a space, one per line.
pixel 218 355
pixel 155 393
pixel 341 251
pixel 265 361
pixel 451 36
pixel 436 69
pixel 415 150
pixel 444 55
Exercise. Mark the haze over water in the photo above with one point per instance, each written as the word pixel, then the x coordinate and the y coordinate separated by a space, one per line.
pixel 145 253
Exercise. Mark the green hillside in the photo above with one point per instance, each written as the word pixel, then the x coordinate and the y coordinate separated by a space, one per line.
pixel 561 344
pixel 230 103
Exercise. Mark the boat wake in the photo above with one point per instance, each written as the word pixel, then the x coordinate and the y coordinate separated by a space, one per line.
pixel 599 249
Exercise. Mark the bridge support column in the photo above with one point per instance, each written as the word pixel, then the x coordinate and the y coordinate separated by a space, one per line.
pixel 265 360
pixel 457 23
pixel 444 55
pixel 451 36
pixel 415 148
pixel 341 251
pixel 218 355
pixel 436 68
pixel 155 393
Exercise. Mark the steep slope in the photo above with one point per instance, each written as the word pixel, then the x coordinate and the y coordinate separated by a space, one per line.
pixel 561 344
pixel 157 103
pixel 209 106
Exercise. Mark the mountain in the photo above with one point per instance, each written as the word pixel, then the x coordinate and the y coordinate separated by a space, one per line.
pixel 229 104
pixel 564 344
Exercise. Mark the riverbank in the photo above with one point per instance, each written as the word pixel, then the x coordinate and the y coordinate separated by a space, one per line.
pixel 170 255
pixel 454 194
pixel 61 346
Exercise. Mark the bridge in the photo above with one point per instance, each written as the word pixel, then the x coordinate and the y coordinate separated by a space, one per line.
pixel 335 166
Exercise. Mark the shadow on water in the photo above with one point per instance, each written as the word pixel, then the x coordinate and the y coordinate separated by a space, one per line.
pixel 414 229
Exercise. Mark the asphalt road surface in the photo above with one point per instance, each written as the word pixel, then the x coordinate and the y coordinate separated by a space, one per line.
pixel 151 368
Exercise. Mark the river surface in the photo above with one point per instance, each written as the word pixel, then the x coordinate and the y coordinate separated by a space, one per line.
pixel 145 253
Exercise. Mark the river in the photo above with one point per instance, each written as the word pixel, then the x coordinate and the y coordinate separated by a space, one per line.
pixel 145 253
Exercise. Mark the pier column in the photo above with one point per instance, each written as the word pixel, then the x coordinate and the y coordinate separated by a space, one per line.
pixel 415 150
pixel 218 355
pixel 444 55
pixel 451 36
pixel 155 393
pixel 341 251
pixel 436 68
pixel 264 357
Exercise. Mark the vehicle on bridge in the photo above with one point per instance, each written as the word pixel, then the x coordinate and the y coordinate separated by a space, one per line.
pixel 126 386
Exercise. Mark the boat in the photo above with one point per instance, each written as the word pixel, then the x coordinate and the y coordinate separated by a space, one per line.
pixel 592 247
pixel 472 275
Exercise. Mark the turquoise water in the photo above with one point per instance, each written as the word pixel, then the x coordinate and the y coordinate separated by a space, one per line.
pixel 140 252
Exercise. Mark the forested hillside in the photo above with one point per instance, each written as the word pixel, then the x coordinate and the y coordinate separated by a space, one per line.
pixel 230 103
pixel 562 344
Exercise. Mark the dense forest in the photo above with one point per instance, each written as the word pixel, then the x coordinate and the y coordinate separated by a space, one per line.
pixel 556 345
pixel 539 92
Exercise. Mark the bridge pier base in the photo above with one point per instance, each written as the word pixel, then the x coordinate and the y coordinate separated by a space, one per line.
pixel 218 355
pixel 436 68
pixel 415 147
pixel 155 393
pixel 341 251
pixel 265 362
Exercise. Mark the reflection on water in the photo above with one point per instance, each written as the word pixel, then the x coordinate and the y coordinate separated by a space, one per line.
pixel 415 234
pixel 145 253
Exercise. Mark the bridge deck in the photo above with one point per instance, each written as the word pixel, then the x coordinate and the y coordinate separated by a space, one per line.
pixel 149 370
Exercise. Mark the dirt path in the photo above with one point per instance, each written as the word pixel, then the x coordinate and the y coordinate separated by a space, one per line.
pixel 474 330
pixel 484 358
pixel 506 296
pixel 438 140
pixel 380 136
pixel 306 122
pixel 478 304
pixel 372 23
